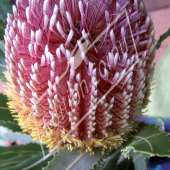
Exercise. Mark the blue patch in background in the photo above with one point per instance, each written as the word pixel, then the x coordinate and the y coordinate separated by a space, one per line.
pixel 155 162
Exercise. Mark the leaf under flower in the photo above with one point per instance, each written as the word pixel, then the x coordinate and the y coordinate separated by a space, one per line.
pixel 148 139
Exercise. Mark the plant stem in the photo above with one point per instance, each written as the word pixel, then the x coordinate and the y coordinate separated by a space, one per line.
pixel 162 38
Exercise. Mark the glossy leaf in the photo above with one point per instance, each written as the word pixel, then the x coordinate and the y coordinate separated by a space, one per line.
pixel 148 139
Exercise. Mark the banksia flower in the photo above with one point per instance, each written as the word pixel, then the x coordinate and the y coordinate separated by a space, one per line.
pixel 79 71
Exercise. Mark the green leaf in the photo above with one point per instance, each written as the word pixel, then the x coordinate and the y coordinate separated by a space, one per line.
pixel 111 161
pixel 5 6
pixel 5 114
pixel 2 47
pixel 2 28
pixel 29 160
pixel 6 118
pixel 1 34
pixel 106 157
pixel 159 105
pixel 2 66
pixel 125 164
pixel 10 125
pixel 140 160
pixel 4 110
pixel 8 135
pixel 74 160
pixel 20 157
pixel 9 152
pixel 2 24
pixel 148 139
pixel 11 162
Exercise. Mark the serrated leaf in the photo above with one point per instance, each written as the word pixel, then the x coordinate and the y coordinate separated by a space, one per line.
pixel 13 151
pixel 140 160
pixel 8 135
pixel 74 160
pixel 148 139
pixel 31 160
pixel 11 162
pixel 11 125
pixel 49 162
pixel 112 161
pixel 125 164
pixel 159 105
pixel 5 6
pixel 105 158
pixel 20 157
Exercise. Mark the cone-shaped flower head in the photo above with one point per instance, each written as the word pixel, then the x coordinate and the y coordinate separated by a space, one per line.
pixel 79 71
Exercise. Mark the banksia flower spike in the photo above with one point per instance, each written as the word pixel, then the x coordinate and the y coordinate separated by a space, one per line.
pixel 79 71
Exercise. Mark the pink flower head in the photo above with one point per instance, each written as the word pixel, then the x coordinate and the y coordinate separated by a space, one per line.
pixel 79 71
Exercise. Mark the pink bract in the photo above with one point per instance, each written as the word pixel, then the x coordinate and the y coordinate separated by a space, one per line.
pixel 79 71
